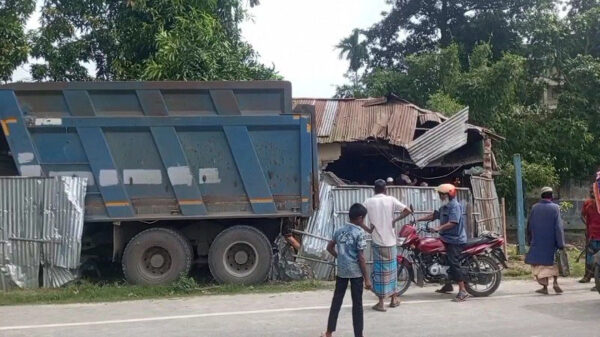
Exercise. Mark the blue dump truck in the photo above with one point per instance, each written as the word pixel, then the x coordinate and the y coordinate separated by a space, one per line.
pixel 178 173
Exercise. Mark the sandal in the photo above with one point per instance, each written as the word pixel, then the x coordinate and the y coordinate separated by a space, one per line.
pixel 543 291
pixel 461 297
pixel 557 289
pixel 395 304
pixel 376 307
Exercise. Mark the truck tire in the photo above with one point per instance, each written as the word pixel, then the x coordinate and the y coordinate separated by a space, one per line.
pixel 157 256
pixel 241 255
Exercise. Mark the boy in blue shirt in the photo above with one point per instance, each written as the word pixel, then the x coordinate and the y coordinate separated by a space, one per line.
pixel 347 246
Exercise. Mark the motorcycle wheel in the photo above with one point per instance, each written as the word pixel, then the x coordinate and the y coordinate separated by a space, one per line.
pixel 597 277
pixel 486 264
pixel 403 279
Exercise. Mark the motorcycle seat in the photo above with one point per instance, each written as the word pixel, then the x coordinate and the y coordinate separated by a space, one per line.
pixel 476 241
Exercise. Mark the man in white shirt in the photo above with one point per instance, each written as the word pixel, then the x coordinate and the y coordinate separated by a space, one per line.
pixel 381 209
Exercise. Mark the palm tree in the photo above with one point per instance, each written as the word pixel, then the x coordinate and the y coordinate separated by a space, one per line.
pixel 353 50
pixel 356 52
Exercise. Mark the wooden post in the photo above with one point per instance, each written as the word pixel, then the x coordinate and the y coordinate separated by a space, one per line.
pixel 503 210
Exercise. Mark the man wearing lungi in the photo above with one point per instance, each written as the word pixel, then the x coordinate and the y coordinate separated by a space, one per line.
pixel 381 209
pixel 545 234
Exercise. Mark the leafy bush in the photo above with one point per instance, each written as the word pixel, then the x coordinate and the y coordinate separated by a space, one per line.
pixel 535 176
pixel 185 284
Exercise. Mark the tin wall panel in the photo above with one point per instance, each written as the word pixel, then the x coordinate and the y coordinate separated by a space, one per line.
pixel 321 231
pixel 336 202
pixel 423 199
pixel 41 223
pixel 20 203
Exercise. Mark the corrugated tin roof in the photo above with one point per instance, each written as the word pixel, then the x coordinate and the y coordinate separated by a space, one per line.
pixel 394 120
pixel 440 140
pixel 429 117
pixel 351 120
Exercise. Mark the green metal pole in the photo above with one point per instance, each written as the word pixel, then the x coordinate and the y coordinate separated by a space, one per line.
pixel 520 210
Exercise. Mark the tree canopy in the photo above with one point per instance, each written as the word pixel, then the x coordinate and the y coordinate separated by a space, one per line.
pixel 500 58
pixel 131 40
pixel 13 40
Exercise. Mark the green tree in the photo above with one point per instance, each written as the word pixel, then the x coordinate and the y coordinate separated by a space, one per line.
pixel 193 49
pixel 128 40
pixel 355 51
pixel 13 40
pixel 413 26
pixel 496 57
pixel 444 103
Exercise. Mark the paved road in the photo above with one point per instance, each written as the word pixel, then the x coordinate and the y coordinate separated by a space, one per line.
pixel 512 311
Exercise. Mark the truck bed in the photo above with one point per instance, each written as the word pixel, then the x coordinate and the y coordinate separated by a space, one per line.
pixel 166 150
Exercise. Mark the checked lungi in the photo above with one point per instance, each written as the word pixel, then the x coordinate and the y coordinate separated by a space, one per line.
pixel 384 276
pixel 592 248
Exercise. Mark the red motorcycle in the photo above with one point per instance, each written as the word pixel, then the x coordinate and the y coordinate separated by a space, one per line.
pixel 423 260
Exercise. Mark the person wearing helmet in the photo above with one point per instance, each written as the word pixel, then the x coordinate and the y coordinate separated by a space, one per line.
pixel 452 232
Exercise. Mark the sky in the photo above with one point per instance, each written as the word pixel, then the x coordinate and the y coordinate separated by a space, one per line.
pixel 297 37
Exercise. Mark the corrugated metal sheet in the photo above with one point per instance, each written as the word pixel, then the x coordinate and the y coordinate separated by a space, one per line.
pixel 429 117
pixel 328 118
pixel 395 121
pixel 321 230
pixel 423 199
pixel 488 216
pixel 336 202
pixel 21 232
pixel 440 140
pixel 402 124
pixel 41 223
pixel 351 120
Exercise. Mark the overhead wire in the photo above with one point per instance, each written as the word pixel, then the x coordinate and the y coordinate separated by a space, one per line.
pixel 390 159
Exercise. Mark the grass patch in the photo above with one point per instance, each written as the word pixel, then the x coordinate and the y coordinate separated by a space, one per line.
pixel 85 291
pixel 517 269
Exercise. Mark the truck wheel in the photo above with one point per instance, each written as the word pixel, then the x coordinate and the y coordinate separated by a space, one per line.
pixel 156 256
pixel 240 254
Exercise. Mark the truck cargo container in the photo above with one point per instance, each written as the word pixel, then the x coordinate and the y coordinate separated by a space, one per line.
pixel 177 172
